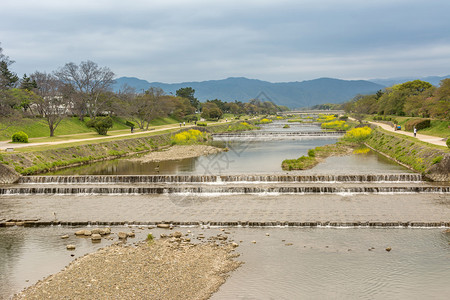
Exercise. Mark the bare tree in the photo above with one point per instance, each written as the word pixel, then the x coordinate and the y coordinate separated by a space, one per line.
pixel 149 106
pixel 51 104
pixel 90 81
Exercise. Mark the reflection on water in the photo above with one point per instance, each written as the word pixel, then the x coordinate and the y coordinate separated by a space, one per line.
pixel 246 156
pixel 337 264
pixel 288 263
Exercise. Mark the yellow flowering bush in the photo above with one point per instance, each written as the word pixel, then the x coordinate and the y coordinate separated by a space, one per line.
pixel 337 125
pixel 191 136
pixel 325 118
pixel 358 134
pixel 265 121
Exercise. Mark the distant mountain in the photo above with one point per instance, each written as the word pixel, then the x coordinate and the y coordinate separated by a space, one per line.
pixel 434 80
pixel 292 94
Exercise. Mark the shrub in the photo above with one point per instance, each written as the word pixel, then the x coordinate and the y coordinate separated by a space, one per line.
pixel 130 124
pixel 418 123
pixel 241 126
pixel 448 142
pixel 286 126
pixel 437 160
pixel 101 124
pixel 191 136
pixel 337 125
pixel 311 153
pixel 264 121
pixel 202 124
pixel 357 134
pixel 20 137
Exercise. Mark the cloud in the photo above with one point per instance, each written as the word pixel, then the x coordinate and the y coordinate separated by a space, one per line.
pixel 176 41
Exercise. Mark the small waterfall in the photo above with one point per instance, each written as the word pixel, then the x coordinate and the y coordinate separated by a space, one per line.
pixel 224 190
pixel 274 178
pixel 274 134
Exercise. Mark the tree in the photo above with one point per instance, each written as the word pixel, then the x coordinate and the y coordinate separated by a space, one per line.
pixel 188 93
pixel 8 79
pixel 210 110
pixel 90 81
pixel 101 124
pixel 27 83
pixel 149 106
pixel 9 110
pixel 51 103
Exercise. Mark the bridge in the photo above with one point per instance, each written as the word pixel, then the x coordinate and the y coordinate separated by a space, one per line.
pixel 312 112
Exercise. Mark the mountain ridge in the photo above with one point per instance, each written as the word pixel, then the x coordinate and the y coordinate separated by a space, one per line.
pixel 293 94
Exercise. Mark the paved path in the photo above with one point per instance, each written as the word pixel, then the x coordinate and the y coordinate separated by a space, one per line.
pixel 422 137
pixel 7 144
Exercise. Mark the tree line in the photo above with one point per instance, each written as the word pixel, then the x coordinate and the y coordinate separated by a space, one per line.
pixel 413 98
pixel 85 90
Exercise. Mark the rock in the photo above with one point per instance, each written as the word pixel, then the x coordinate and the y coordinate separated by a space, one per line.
pixel 253 242
pixel 10 223
pixel 267 234
pixel 234 245
pixel 20 223
pixel 79 232
pixel 70 247
pixel 163 235
pixel 66 236
pixel 388 249
pixel 288 244
pixel 122 235
pixel 187 239
pixel 87 232
pixel 131 234
pixel 177 234
pixel 96 231
pixel 163 225
pixel 96 237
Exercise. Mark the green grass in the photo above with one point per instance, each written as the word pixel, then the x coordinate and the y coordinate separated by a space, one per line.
pixel 439 128
pixel 36 128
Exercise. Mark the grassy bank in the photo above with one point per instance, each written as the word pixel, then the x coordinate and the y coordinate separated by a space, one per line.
pixel 421 157
pixel 39 159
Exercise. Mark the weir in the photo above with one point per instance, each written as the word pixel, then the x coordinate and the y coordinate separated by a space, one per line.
pixel 224 190
pixel 118 179
pixel 274 134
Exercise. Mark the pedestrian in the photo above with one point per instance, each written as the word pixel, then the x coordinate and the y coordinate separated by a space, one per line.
pixel 132 129
pixel 415 131
pixel 180 124
pixel 184 123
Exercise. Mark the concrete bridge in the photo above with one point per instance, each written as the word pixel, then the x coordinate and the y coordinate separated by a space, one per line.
pixel 312 112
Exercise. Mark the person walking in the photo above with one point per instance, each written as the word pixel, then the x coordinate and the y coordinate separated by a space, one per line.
pixel 415 131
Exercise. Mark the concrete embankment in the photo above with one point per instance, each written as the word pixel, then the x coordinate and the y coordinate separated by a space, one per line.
pixel 433 163
pixel 35 162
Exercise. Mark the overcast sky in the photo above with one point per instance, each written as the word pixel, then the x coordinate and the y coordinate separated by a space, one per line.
pixel 279 40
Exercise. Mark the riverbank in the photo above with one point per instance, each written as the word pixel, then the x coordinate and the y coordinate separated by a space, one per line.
pixel 170 268
pixel 178 152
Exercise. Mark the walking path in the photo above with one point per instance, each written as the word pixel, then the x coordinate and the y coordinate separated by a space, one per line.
pixel 6 144
pixel 422 137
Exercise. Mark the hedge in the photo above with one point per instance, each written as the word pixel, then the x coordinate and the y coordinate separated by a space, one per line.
pixel 418 123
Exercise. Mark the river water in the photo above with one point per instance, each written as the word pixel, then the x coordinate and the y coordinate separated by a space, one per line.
pixel 284 263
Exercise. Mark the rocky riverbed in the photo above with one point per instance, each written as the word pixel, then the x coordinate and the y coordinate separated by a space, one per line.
pixel 179 152
pixel 168 268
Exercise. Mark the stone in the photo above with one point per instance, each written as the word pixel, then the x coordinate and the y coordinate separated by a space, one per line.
pixel 66 236
pixel 234 245
pixel 388 249
pixel 96 237
pixel 70 247
pixel 79 232
pixel 288 244
pixel 177 234
pixel 131 234
pixel 122 235
pixel 163 225
pixel 253 242
pixel 87 232
pixel 267 234
pixel 96 231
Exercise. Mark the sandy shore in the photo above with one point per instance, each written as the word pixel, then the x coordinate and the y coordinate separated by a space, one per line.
pixel 178 152
pixel 164 269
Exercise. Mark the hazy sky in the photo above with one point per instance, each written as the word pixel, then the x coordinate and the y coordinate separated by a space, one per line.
pixel 284 40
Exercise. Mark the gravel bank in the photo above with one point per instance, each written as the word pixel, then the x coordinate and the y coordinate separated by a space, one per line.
pixel 164 269
pixel 179 152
